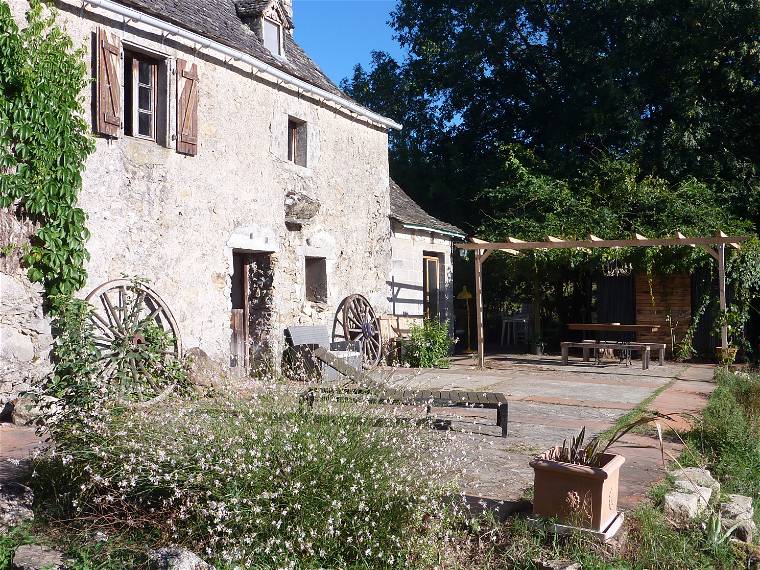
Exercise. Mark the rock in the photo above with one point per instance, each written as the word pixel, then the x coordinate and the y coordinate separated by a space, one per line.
pixel 300 207
pixel 701 477
pixel 738 511
pixel 705 493
pixel 35 557
pixel 14 345
pixel 176 559
pixel 683 507
pixel 558 565
pixel 15 505
pixel 40 326
pixel 13 290
pixel 25 411
pixel 204 371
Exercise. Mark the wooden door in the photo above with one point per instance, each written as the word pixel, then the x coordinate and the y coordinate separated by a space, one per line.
pixel 239 317
pixel 431 287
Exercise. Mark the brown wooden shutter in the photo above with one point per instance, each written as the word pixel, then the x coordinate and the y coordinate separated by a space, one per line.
pixel 108 120
pixel 187 108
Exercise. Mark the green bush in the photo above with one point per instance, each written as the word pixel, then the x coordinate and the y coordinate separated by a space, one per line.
pixel 428 346
pixel 255 483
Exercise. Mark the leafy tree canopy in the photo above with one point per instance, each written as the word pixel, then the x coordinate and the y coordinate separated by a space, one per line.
pixel 665 94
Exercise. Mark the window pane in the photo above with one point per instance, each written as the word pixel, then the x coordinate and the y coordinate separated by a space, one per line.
pixel 145 124
pixel 272 36
pixel 146 103
pixel 145 72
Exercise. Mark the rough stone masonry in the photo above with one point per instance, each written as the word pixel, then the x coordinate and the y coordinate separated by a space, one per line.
pixel 176 220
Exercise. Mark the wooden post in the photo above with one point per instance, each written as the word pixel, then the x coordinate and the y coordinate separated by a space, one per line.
pixel 479 307
pixel 722 293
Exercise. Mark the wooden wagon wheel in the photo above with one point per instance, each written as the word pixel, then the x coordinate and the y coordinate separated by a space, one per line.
pixel 361 324
pixel 137 337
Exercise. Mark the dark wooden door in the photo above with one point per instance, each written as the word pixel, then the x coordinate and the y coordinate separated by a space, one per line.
pixel 239 317
pixel 431 287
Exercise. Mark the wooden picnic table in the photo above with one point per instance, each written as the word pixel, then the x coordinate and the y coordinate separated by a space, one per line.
pixel 612 327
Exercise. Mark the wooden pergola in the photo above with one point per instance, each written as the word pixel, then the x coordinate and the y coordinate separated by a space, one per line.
pixel 715 246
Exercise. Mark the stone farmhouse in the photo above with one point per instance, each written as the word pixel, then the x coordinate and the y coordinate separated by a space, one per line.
pixel 235 177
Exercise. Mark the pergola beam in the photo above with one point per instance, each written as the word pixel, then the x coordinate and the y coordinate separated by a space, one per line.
pixel 517 245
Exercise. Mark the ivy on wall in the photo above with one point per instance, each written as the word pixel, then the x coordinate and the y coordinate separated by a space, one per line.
pixel 44 142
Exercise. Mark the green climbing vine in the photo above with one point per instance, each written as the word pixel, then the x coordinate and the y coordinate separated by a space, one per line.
pixel 44 142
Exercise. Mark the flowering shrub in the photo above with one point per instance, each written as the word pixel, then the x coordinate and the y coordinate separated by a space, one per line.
pixel 428 346
pixel 259 483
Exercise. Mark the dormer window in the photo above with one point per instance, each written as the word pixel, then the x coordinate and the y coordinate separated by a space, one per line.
pixel 270 20
pixel 272 36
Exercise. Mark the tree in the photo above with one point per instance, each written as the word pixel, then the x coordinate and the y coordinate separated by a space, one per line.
pixel 671 87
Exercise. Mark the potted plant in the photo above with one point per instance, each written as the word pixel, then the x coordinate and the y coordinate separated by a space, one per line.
pixel 577 484
pixel 733 321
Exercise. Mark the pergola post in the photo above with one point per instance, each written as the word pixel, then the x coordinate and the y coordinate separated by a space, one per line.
pixel 479 307
pixel 722 293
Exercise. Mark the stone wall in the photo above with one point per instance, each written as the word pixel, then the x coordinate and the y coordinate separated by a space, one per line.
pixel 25 338
pixel 176 220
pixel 406 284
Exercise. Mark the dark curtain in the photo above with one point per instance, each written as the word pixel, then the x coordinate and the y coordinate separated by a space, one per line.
pixel 616 303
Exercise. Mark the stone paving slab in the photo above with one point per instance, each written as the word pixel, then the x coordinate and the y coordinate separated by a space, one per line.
pixel 548 403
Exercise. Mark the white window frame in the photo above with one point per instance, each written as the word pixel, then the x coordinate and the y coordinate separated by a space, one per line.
pixel 279 28
pixel 136 111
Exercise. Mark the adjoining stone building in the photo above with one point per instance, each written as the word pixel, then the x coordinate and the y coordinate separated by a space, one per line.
pixel 421 283
pixel 229 172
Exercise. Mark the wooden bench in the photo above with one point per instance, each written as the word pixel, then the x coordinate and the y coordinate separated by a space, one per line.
pixel 658 346
pixel 361 383
pixel 587 346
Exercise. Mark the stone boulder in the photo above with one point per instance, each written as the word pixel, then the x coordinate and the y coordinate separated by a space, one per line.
pixel 176 559
pixel 738 512
pixel 35 557
pixel 701 477
pixel 204 371
pixel 15 505
pixel 704 493
pixel 684 505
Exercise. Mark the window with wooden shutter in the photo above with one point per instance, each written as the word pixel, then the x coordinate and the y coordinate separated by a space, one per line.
pixel 108 120
pixel 187 108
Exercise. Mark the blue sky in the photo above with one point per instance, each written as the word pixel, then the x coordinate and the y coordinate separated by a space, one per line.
pixel 338 34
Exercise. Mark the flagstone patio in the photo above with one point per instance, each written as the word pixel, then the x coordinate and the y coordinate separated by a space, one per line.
pixel 550 402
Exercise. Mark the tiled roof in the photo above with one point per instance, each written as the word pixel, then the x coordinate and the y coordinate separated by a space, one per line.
pixel 408 212
pixel 218 20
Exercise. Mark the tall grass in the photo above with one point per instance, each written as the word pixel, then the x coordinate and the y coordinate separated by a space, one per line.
pixel 728 437
pixel 258 483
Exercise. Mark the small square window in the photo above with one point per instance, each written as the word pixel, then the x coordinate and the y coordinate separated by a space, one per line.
pixel 297 141
pixel 273 36
pixel 316 279
pixel 145 88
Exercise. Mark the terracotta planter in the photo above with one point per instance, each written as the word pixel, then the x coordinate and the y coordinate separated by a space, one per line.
pixel 577 495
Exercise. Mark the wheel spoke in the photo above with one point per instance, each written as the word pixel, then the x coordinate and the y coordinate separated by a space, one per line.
pixel 103 324
pixel 111 312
